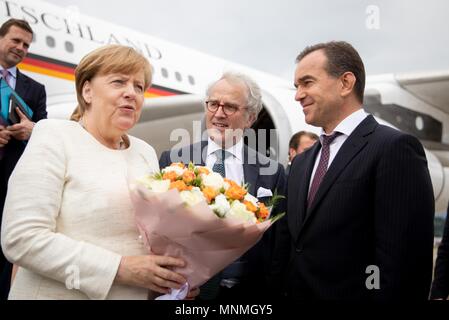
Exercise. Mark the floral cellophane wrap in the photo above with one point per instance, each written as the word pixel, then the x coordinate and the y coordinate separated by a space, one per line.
pixel 172 225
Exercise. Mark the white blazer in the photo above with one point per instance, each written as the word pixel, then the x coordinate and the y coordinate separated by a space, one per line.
pixel 68 218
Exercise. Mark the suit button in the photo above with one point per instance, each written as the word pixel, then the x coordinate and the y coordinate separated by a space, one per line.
pixel 298 250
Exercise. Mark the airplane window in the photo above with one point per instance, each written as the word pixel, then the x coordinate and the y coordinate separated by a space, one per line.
pixel 178 76
pixel 50 41
pixel 68 46
pixel 191 80
pixel 419 123
pixel 164 72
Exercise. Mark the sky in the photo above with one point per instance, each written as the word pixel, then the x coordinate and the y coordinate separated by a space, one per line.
pixel 390 35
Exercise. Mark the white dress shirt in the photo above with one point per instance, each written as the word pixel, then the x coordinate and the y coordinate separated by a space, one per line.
pixel 346 127
pixel 233 164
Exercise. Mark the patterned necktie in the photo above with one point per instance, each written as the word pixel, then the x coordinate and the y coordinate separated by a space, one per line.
pixel 211 289
pixel 219 164
pixel 5 75
pixel 322 167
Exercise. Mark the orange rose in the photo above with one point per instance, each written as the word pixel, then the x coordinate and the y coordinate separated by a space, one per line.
pixel 250 206
pixel 188 176
pixel 178 164
pixel 203 170
pixel 263 211
pixel 170 175
pixel 231 183
pixel 209 193
pixel 235 192
pixel 178 184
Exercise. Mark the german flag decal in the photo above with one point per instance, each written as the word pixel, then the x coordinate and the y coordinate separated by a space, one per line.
pixel 63 70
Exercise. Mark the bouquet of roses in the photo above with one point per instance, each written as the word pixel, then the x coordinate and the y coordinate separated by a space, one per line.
pixel 193 213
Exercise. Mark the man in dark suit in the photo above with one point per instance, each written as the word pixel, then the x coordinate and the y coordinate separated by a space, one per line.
pixel 232 105
pixel 440 285
pixel 360 203
pixel 15 39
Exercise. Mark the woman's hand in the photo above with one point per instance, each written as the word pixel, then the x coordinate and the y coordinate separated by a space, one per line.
pixel 150 271
pixel 192 294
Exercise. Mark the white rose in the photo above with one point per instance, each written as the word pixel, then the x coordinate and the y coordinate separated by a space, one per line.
pixel 221 205
pixel 213 180
pixel 146 181
pixel 178 170
pixel 239 211
pixel 159 185
pixel 192 197
pixel 251 199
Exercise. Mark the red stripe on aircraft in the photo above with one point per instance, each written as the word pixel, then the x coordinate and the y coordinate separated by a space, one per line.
pixel 50 64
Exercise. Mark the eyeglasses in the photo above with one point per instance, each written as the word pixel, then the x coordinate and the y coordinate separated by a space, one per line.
pixel 228 109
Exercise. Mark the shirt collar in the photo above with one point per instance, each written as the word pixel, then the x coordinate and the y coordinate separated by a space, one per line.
pixel 348 125
pixel 236 150
pixel 12 71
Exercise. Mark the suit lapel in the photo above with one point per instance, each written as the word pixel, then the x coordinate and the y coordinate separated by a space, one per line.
pixel 250 169
pixel 198 155
pixel 22 84
pixel 350 148
pixel 303 189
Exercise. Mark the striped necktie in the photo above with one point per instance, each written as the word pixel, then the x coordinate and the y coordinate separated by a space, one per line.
pixel 322 166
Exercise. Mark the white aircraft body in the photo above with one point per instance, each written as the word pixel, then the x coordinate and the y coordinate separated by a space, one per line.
pixel 414 103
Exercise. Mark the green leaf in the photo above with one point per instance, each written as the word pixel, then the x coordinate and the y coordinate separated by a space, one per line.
pixel 158 176
pixel 277 217
pixel 275 199
pixel 197 182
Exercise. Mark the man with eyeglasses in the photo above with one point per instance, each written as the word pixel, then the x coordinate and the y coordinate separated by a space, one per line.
pixel 231 107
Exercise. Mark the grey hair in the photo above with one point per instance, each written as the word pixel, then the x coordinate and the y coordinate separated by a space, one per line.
pixel 254 97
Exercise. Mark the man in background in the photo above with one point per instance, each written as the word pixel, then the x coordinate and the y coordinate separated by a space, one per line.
pixel 299 142
pixel 15 39
pixel 232 105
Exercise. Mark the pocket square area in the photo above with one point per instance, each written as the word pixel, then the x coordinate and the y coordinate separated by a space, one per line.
pixel 262 192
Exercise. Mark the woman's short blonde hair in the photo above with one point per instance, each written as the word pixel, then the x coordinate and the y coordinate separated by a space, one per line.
pixel 106 60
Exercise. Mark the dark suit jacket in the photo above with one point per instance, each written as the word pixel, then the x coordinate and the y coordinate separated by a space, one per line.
pixel 33 93
pixel 440 286
pixel 375 206
pixel 259 256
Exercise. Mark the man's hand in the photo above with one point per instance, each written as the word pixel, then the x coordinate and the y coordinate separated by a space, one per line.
pixel 23 129
pixel 5 135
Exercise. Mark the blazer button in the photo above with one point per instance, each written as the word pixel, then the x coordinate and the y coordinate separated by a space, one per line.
pixel 298 250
